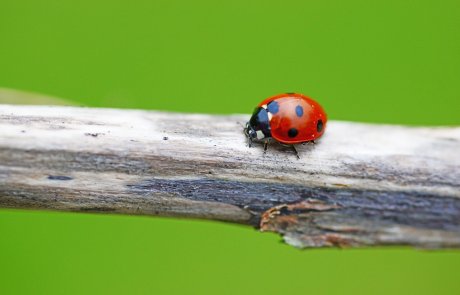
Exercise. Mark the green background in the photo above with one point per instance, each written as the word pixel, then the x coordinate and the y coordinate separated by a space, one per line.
pixel 385 62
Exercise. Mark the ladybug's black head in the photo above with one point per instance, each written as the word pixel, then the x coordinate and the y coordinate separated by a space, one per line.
pixel 258 127
pixel 251 134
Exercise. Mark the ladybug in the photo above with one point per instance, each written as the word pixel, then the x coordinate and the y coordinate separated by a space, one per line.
pixel 289 118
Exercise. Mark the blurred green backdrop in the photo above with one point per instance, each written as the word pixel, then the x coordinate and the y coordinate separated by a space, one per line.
pixel 385 61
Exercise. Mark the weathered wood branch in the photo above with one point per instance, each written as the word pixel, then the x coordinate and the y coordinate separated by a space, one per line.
pixel 360 185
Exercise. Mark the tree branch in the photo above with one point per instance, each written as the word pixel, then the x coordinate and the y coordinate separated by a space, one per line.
pixel 360 185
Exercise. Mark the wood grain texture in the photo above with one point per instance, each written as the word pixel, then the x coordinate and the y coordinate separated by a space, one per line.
pixel 360 185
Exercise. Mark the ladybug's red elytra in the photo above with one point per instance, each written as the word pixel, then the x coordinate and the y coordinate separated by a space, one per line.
pixel 288 118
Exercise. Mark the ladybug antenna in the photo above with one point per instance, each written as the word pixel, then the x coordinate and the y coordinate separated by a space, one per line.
pixel 241 124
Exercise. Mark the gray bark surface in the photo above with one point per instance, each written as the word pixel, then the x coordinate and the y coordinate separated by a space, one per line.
pixel 360 185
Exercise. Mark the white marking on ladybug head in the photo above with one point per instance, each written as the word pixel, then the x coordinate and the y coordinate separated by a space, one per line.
pixel 270 116
pixel 260 134
pixel 264 106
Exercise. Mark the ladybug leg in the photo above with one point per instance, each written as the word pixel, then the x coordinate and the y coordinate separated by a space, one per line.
pixel 295 151
pixel 266 146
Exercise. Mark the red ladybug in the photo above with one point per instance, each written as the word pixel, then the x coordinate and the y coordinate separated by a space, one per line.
pixel 288 118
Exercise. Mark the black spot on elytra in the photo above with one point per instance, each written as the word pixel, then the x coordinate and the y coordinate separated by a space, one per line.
pixel 319 126
pixel 273 107
pixel 293 132
pixel 299 111
pixel 59 177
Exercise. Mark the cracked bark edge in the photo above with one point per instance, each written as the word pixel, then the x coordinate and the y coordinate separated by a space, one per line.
pixel 313 224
